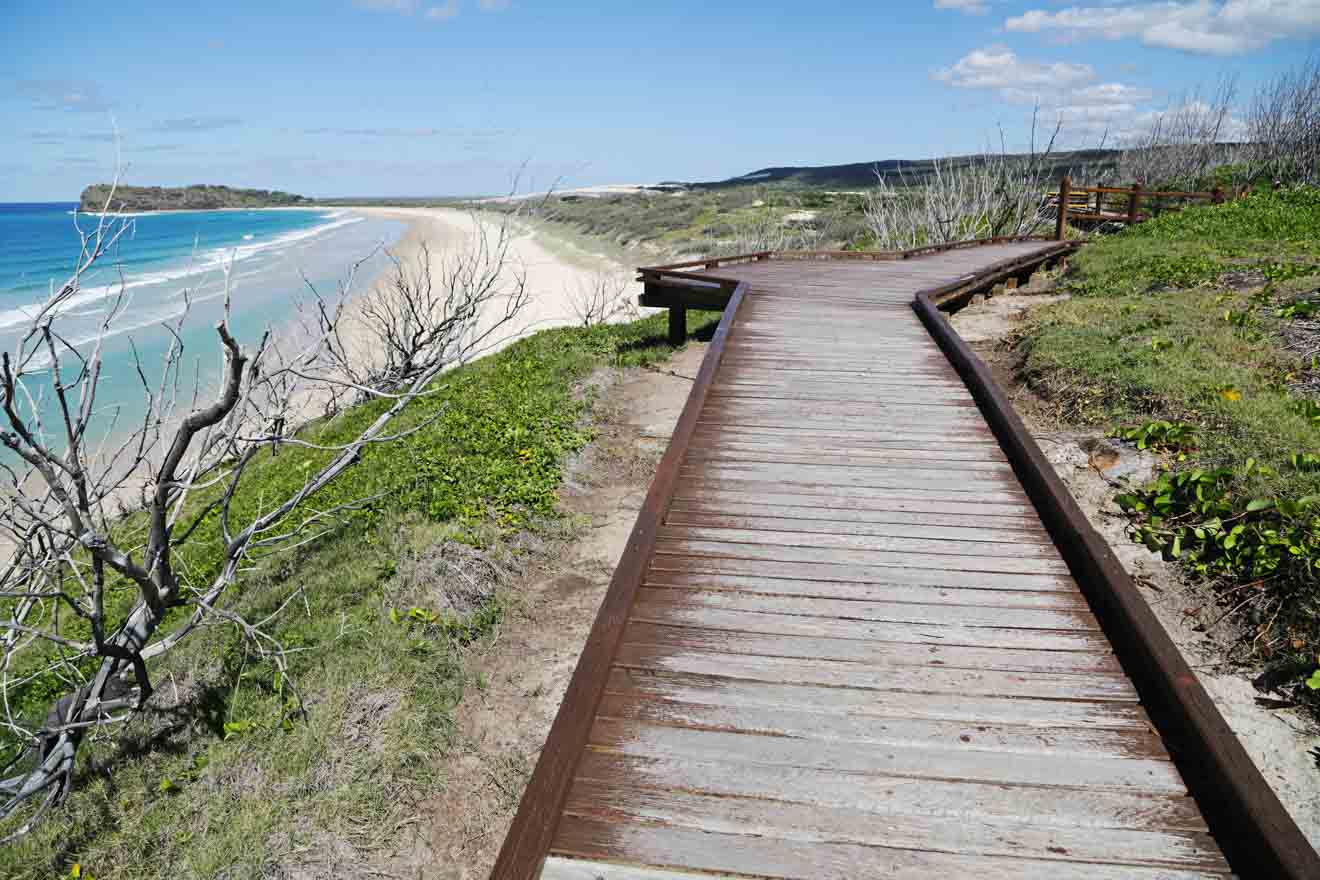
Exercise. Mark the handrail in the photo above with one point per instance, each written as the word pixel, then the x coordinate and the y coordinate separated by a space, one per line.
pixel 650 273
pixel 1258 836
pixel 712 262
pixel 1067 203
pixel 1127 191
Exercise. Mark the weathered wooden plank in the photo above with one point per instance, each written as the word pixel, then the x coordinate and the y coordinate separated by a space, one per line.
pixel 891 798
pixel 699 639
pixel 562 868
pixel 909 632
pixel 879 400
pixel 907 679
pixel 880 420
pixel 775 495
pixel 1075 619
pixel 731 444
pixel 808 823
pixel 972 485
pixel 868 574
pixel 917 594
pixel 767 857
pixel 847 539
pixel 963 532
pixel 938 388
pixel 744 366
pixel 768 553
pixel 905 733
pixel 859 517
pixel 874 436
pixel 800 453
pixel 893 415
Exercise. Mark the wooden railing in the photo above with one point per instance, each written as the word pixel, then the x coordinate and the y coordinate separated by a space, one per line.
pixel 682 286
pixel 1133 204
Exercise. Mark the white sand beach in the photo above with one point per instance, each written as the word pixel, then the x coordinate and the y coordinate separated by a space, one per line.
pixel 556 271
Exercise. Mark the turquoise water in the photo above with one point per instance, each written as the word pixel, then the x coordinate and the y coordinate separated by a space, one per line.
pixel 166 259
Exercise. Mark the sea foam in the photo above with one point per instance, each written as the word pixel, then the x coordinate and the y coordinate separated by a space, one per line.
pixel 202 264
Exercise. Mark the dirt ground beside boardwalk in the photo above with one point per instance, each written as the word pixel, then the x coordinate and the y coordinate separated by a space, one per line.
pixel 525 671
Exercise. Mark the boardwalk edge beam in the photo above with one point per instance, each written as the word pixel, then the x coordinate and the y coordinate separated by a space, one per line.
pixel 1255 831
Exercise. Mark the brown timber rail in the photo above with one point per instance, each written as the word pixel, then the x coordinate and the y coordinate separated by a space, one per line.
pixel 1258 836
pixel 737 717
pixel 1092 205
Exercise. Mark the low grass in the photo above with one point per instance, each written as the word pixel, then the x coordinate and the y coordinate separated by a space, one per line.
pixel 224 776
pixel 705 221
pixel 1183 320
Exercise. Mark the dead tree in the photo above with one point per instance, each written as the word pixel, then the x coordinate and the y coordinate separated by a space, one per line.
pixel 986 196
pixel 1178 146
pixel 72 554
pixel 1284 126
pixel 601 298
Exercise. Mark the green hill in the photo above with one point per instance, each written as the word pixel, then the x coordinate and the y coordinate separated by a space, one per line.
pixel 200 197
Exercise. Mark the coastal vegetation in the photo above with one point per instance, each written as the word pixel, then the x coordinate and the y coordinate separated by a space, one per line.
pixel 120 547
pixel 1195 334
pixel 386 611
pixel 200 197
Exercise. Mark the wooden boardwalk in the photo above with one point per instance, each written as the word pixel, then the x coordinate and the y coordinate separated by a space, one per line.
pixel 855 651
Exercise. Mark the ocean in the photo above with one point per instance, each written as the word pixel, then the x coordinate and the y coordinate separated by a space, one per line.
pixel 160 261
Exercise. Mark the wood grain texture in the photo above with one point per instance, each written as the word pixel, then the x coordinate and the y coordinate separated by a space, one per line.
pixel 812 823
pixel 1030 711
pixel 852 648
pixel 759 856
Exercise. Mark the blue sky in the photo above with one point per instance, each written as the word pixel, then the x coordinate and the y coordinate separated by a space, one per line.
pixel 429 97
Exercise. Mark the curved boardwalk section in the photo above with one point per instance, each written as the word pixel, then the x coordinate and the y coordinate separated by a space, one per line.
pixel 853 650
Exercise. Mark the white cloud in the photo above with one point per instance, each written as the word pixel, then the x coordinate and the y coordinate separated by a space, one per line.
pixel 970 7
pixel 1203 26
pixel 406 7
pixel 1066 91
pixel 999 67
pixel 79 96
pixel 443 13
pixel 1112 94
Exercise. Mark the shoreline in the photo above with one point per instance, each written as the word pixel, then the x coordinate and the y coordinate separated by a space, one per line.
pixel 551 279
pixel 554 275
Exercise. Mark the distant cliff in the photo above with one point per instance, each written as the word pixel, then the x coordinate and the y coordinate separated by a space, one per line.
pixel 185 198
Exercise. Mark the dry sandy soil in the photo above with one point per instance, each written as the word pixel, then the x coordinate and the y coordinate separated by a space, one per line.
pixel 1281 742
pixel 526 670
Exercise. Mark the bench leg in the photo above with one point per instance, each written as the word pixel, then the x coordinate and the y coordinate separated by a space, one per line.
pixel 677 324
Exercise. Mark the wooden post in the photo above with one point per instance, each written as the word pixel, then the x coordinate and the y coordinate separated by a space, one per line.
pixel 1134 203
pixel 677 325
pixel 1217 195
pixel 1065 192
